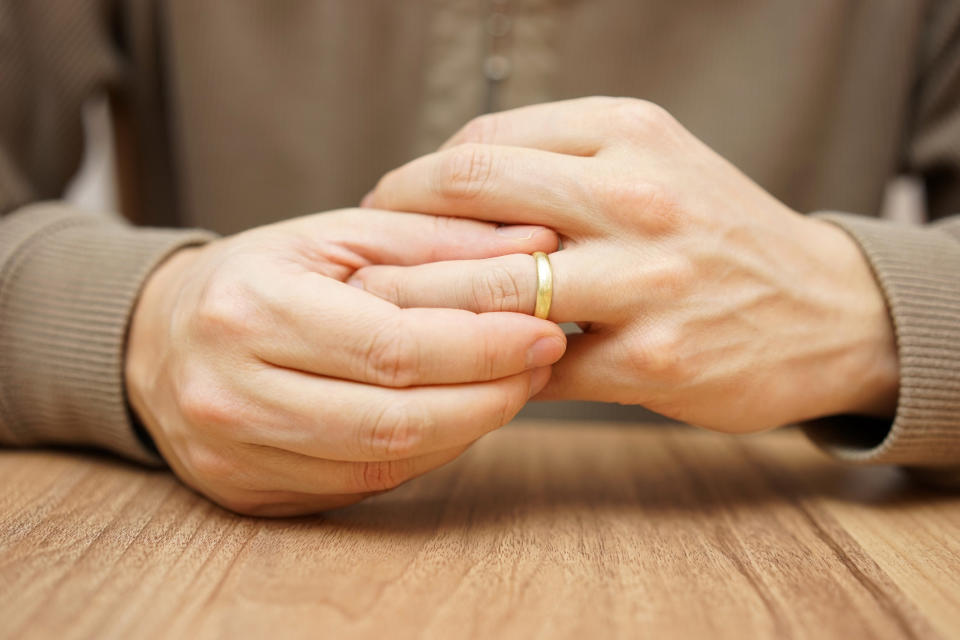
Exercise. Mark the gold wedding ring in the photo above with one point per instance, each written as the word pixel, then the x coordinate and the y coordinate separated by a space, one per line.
pixel 544 285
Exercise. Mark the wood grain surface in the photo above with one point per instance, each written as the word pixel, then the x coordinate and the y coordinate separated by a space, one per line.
pixel 542 530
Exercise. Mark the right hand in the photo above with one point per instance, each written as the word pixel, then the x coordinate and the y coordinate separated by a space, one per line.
pixel 274 388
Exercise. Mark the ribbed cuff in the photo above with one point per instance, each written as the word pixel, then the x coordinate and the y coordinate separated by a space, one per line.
pixel 918 269
pixel 68 285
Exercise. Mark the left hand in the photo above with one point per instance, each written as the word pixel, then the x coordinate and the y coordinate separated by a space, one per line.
pixel 702 296
pixel 273 388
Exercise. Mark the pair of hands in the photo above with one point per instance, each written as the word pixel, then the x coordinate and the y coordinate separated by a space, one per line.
pixel 274 387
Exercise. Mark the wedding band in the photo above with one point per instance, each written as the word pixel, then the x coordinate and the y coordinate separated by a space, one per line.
pixel 544 285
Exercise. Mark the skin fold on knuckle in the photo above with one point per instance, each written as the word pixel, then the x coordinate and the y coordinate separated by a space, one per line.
pixel 495 288
pixel 391 357
pixel 464 172
pixel 394 431
pixel 380 475
pixel 447 230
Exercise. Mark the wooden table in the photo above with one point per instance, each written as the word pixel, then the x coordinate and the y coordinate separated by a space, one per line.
pixel 542 530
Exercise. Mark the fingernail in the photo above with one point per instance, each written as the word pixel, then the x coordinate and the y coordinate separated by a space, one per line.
pixel 367 200
pixel 544 351
pixel 353 281
pixel 538 380
pixel 519 231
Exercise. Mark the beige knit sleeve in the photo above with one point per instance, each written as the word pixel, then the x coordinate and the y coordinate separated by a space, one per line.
pixel 68 284
pixel 918 269
pixel 68 280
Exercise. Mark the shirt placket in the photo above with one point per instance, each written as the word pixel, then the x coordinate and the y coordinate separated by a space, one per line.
pixel 497 64
pixel 484 56
pixel 520 64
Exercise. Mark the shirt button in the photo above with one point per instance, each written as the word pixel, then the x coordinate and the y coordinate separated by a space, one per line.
pixel 496 68
pixel 498 25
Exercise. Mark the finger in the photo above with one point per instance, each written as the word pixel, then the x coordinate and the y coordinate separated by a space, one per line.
pixel 581 126
pixel 487 182
pixel 593 370
pixel 369 236
pixel 339 420
pixel 508 283
pixel 268 468
pixel 325 327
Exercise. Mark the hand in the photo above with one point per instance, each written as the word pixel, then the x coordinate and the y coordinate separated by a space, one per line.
pixel 274 388
pixel 703 297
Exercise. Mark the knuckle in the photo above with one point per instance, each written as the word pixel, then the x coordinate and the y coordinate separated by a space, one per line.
pixel 217 467
pixel 391 360
pixel 204 404
pixel 634 197
pixel 658 355
pixel 495 289
pixel 464 172
pixel 641 119
pixel 380 475
pixel 646 205
pixel 226 310
pixel 670 277
pixel 445 227
pixel 396 431
pixel 482 129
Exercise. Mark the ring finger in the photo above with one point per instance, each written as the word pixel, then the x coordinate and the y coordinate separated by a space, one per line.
pixel 581 285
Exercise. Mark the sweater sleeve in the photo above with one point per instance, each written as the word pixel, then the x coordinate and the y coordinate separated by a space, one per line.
pixel 68 280
pixel 68 285
pixel 918 270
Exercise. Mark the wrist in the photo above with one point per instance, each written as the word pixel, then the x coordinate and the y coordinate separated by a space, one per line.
pixel 149 329
pixel 867 362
